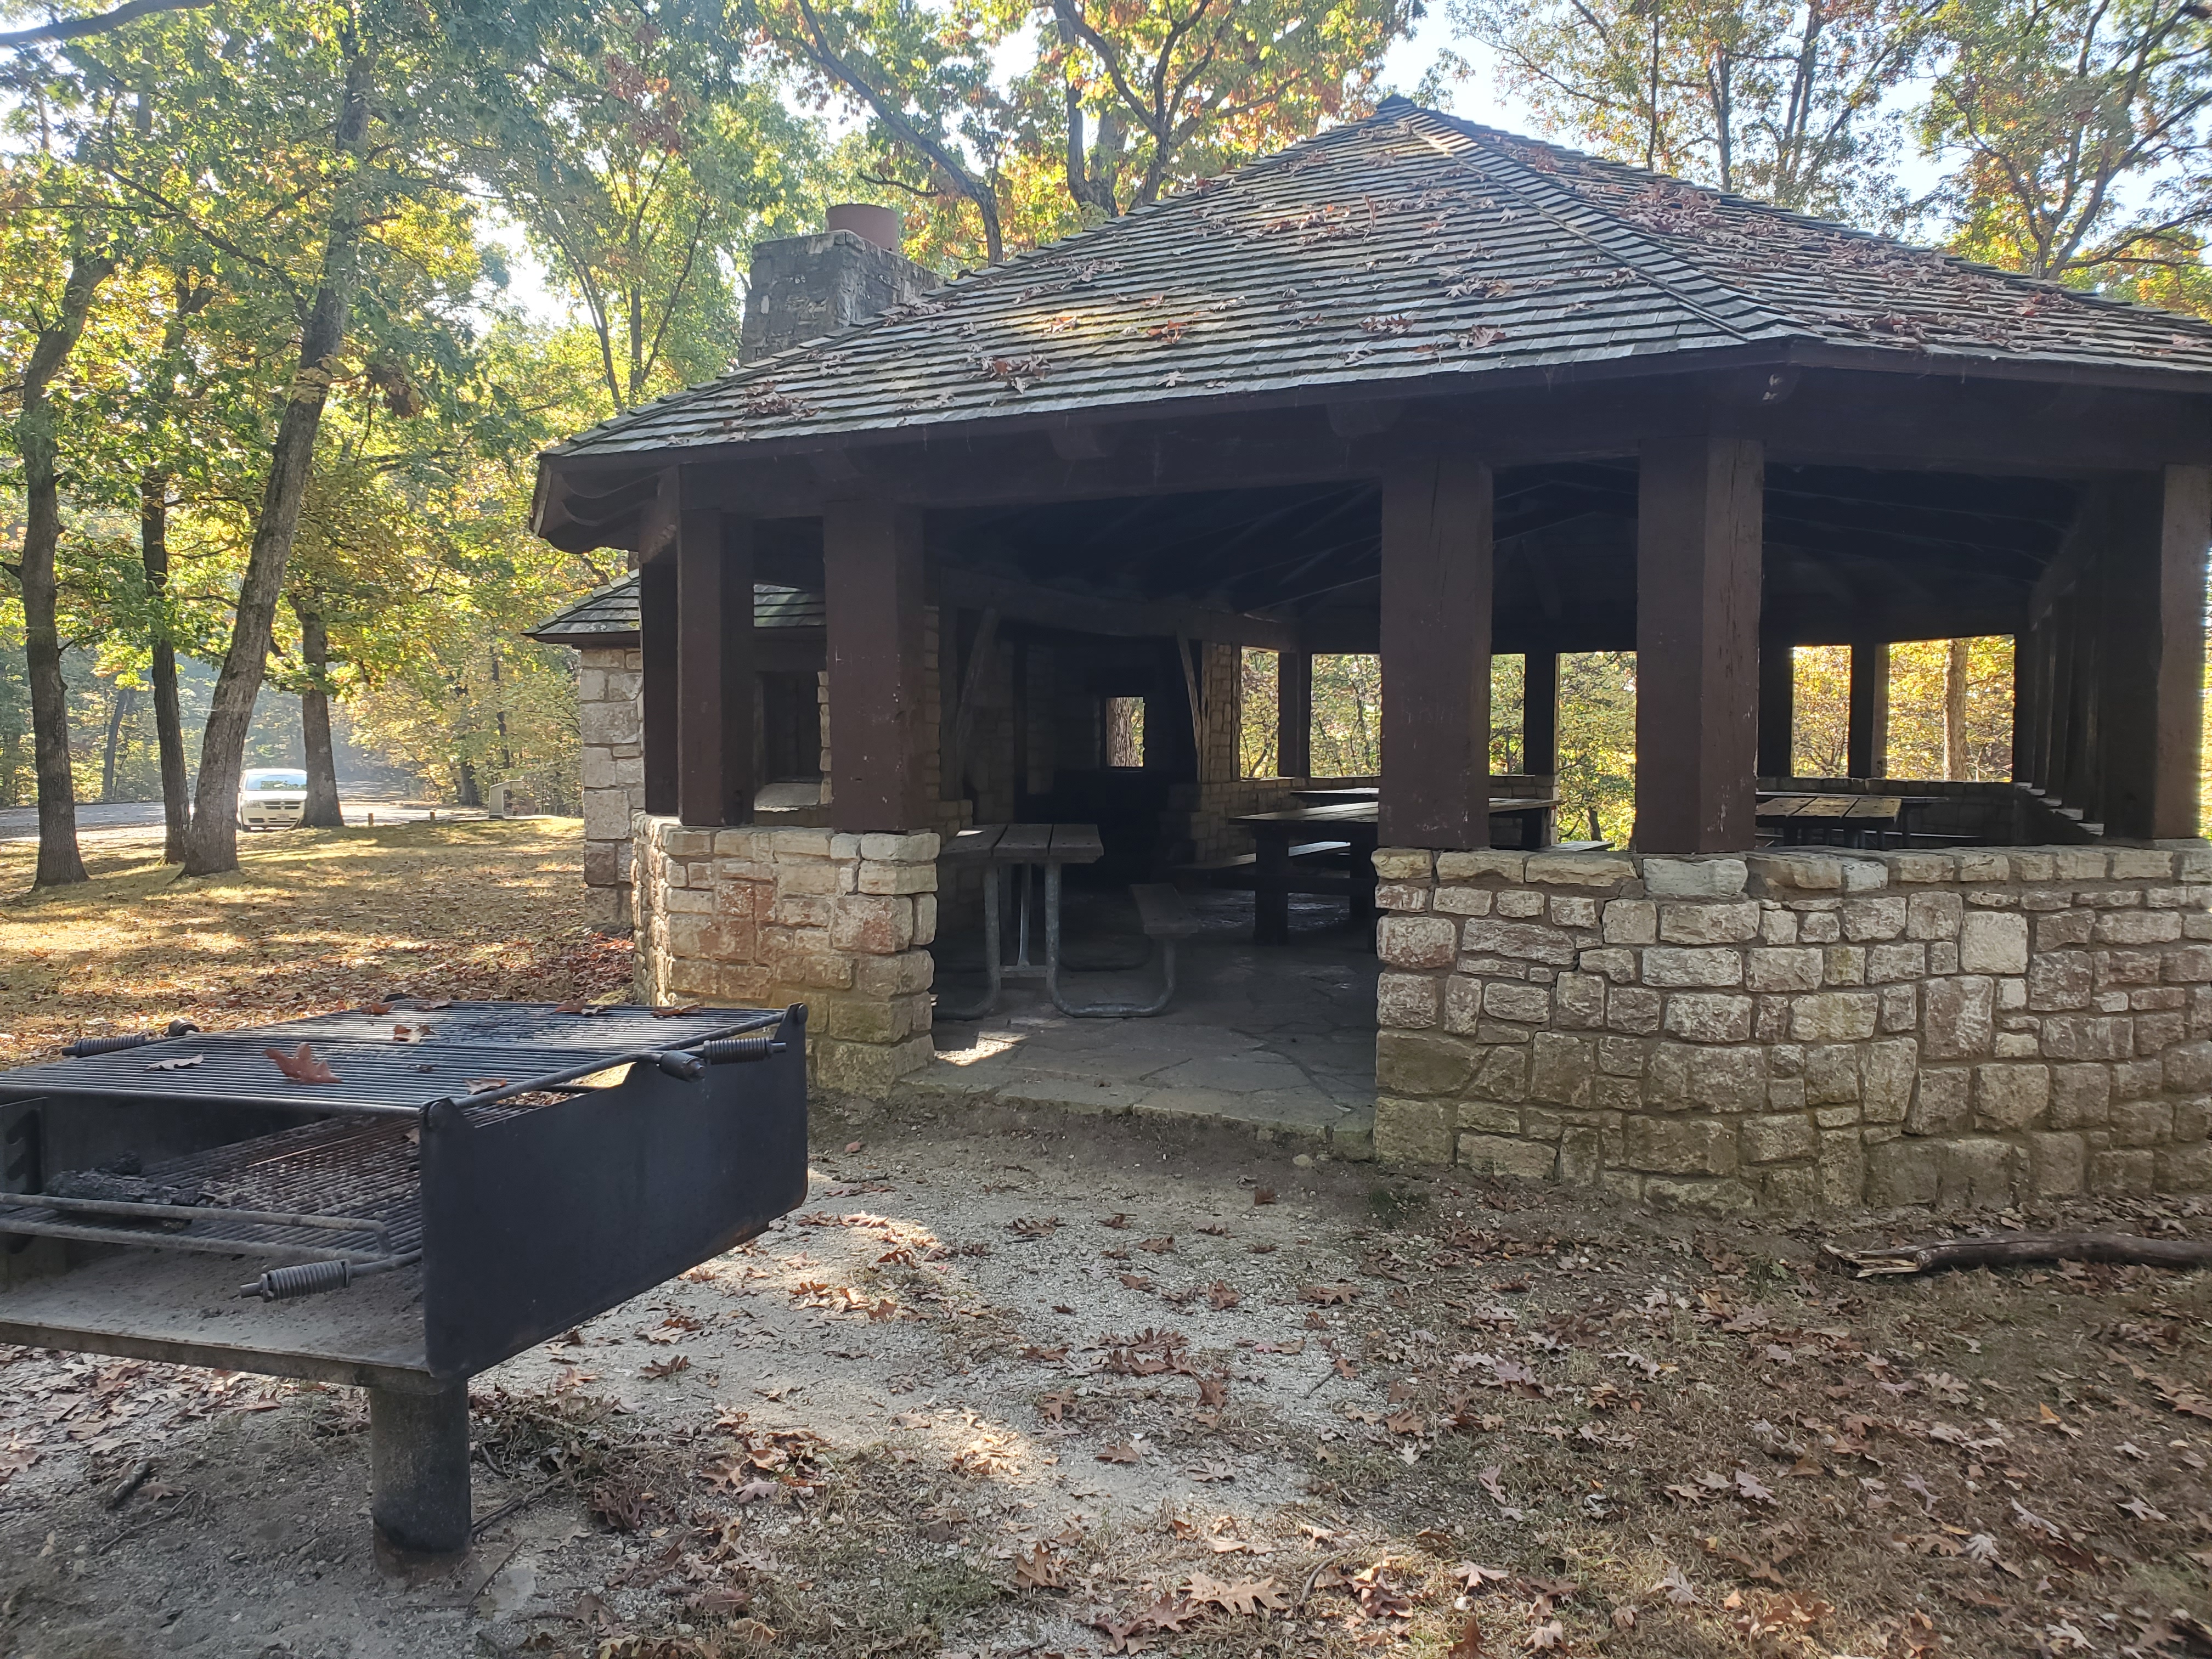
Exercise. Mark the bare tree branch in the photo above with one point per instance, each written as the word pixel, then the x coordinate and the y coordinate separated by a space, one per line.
pixel 76 29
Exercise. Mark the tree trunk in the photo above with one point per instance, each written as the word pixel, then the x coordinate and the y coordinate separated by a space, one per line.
pixel 212 844
pixel 168 711
pixel 58 860
pixel 1954 712
pixel 465 781
pixel 322 810
pixel 154 554
pixel 118 711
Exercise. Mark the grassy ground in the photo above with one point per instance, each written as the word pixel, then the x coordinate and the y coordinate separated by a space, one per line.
pixel 312 919
pixel 1032 1385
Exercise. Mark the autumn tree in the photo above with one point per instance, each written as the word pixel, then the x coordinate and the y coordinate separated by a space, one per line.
pixel 2076 133
pixel 642 154
pixel 1782 100
pixel 1125 100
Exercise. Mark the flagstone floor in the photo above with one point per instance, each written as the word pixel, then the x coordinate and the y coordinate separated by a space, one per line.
pixel 1281 1038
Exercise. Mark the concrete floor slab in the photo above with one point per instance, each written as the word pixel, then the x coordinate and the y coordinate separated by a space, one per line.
pixel 1281 1038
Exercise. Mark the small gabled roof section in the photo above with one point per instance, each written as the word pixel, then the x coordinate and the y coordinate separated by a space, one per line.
pixel 608 616
pixel 1409 247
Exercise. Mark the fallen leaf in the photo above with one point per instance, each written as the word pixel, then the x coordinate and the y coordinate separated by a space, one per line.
pixel 301 1066
pixel 1245 1596
pixel 852 1146
pixel 1263 1194
pixel 1220 1297
pixel 179 1063
pixel 1036 1570
pixel 1469 1644
pixel 1157 1246
pixel 1121 1452
pixel 661 1370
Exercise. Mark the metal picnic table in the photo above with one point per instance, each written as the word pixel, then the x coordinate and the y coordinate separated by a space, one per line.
pixel 1355 823
pixel 998 847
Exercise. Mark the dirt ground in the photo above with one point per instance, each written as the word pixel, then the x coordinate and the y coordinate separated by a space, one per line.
pixel 1023 1384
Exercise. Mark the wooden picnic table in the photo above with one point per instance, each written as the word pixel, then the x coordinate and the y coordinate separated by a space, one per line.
pixel 1858 820
pixel 998 848
pixel 1357 824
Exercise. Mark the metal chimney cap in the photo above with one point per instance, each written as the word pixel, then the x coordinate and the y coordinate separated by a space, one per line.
pixel 871 223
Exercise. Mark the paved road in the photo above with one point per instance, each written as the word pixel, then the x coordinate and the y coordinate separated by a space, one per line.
pixel 140 820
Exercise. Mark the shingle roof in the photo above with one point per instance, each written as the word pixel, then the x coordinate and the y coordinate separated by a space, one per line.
pixel 608 615
pixel 1408 246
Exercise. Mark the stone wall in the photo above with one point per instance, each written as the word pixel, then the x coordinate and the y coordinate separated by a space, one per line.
pixel 609 686
pixel 759 918
pixel 1801 1028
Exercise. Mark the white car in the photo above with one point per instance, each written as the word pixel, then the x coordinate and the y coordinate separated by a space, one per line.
pixel 271 797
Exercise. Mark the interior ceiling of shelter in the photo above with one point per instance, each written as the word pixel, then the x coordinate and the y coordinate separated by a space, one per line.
pixel 1849 553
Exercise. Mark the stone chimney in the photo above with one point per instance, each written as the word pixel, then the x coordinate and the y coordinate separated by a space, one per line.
pixel 806 287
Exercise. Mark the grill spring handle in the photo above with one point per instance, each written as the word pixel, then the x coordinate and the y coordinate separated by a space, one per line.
pixel 728 1049
pixel 680 1065
pixel 312 1278
pixel 84 1048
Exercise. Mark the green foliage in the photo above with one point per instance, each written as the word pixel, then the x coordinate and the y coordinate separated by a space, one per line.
pixel 1920 686
pixel 1125 100
pixel 1779 99
pixel 1597 746
pixel 1347 716
pixel 2077 131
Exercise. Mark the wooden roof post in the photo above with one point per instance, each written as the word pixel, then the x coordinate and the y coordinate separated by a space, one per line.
pixel 1437 600
pixel 1777 708
pixel 656 638
pixel 1698 528
pixel 1294 714
pixel 1866 733
pixel 714 670
pixel 2027 688
pixel 872 570
pixel 1540 713
pixel 656 632
pixel 2150 664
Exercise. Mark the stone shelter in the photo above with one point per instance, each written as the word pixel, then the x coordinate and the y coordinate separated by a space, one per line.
pixel 1419 388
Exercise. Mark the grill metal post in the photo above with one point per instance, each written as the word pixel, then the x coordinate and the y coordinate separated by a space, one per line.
pixel 418 1460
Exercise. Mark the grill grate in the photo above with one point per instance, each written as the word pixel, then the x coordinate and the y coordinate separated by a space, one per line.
pixel 363 1171
pixel 467 1043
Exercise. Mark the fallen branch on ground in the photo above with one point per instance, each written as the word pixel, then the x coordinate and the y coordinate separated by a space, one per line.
pixel 2003 1250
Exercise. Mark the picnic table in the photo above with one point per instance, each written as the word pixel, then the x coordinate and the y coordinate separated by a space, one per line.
pixel 1282 841
pixel 998 848
pixel 1854 820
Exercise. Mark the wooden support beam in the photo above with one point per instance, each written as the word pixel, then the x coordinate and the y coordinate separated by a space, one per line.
pixel 714 669
pixel 2065 688
pixel 954 779
pixel 2151 654
pixel 1294 714
pixel 1436 593
pixel 1777 708
pixel 1050 607
pixel 656 627
pixel 1193 691
pixel 1698 532
pixel 2026 709
pixel 1540 713
pixel 871 565
pixel 1866 732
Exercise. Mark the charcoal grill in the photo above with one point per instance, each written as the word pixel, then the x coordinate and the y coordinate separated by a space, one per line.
pixel 479 1177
